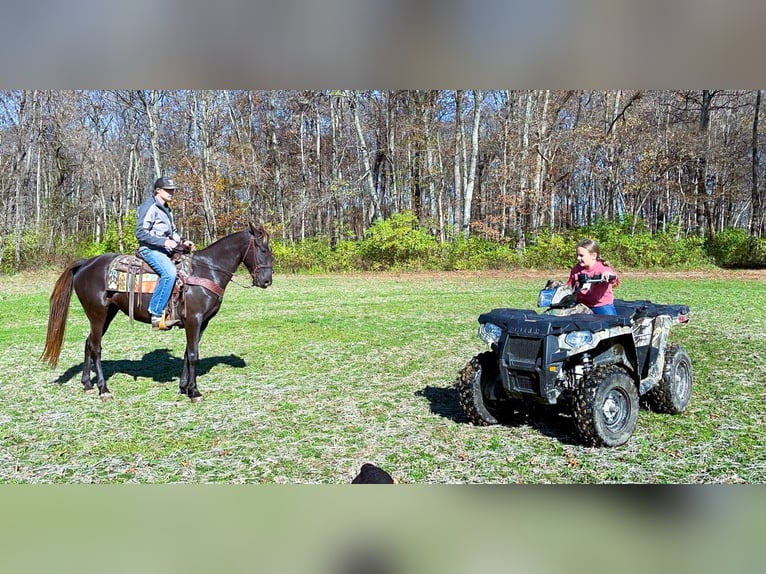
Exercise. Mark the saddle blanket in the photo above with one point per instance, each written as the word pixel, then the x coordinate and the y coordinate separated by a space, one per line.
pixel 126 271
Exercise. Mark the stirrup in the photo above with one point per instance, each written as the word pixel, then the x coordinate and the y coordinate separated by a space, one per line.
pixel 168 320
pixel 158 323
pixel 164 323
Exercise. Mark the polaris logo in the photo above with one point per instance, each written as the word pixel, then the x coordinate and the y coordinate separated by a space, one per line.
pixel 528 331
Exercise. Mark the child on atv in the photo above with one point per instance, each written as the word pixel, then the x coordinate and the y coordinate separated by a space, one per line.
pixel 597 296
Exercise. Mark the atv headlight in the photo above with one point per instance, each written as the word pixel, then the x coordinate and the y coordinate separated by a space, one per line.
pixel 545 297
pixel 577 339
pixel 490 333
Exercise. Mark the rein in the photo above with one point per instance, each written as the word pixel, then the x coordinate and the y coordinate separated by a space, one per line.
pixel 216 288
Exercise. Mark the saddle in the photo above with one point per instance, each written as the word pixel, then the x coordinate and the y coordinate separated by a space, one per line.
pixel 131 274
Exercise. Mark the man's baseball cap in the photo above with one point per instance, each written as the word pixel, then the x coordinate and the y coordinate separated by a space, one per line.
pixel 165 183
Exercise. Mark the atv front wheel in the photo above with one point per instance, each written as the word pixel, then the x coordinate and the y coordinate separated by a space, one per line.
pixel 480 390
pixel 606 407
pixel 674 391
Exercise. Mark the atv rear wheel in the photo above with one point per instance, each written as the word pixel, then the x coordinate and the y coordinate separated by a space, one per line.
pixel 606 407
pixel 674 391
pixel 480 390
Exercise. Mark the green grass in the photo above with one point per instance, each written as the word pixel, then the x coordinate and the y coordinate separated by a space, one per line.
pixel 305 381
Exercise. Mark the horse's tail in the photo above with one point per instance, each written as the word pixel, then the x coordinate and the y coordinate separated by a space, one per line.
pixel 59 309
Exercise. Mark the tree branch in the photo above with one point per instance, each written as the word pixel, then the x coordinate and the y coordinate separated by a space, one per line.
pixel 637 96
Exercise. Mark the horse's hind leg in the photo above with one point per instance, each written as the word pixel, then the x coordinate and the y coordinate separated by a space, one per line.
pixel 86 364
pixel 93 353
pixel 93 359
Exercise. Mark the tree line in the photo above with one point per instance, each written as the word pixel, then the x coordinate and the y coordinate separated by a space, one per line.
pixel 502 165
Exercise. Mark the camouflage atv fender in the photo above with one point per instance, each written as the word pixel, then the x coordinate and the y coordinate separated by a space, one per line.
pixel 659 343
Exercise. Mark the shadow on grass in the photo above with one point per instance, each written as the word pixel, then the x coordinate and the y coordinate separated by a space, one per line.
pixel 443 401
pixel 159 365
pixel 552 423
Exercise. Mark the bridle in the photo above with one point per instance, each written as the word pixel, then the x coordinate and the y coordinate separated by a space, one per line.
pixel 255 265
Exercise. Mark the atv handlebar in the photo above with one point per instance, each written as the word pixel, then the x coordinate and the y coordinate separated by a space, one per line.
pixel 584 278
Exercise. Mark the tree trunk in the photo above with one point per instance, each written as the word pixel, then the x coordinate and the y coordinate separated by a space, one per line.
pixel 364 156
pixel 151 101
pixel 18 181
pixel 614 161
pixel 504 208
pixel 539 184
pixel 440 194
pixel 524 200
pixel 426 118
pixel 305 176
pixel 458 162
pixel 337 201
pixel 471 172
pixel 201 116
pixel 757 219
pixel 388 158
pixel 703 224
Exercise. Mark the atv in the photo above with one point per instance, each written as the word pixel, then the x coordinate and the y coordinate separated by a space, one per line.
pixel 598 368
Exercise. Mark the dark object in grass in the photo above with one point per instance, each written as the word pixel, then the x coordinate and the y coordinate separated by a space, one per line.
pixel 211 270
pixel 371 474
pixel 364 558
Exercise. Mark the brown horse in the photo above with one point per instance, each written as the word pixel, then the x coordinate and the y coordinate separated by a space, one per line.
pixel 212 269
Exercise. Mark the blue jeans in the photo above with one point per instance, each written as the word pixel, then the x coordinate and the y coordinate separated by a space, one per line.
pixel 165 268
pixel 607 309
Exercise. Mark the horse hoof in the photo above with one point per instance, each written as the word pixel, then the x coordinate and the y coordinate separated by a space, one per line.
pixel 106 396
pixel 196 399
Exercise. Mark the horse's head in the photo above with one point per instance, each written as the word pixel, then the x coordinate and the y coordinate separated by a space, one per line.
pixel 258 258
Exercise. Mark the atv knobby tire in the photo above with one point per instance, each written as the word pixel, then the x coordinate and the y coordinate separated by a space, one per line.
pixel 606 407
pixel 674 391
pixel 480 390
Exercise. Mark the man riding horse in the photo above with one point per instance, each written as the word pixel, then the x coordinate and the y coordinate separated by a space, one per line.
pixel 157 238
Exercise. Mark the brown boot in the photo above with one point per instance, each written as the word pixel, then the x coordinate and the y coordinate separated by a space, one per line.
pixel 158 323
pixel 163 323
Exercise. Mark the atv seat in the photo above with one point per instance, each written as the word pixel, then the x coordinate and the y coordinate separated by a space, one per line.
pixel 640 309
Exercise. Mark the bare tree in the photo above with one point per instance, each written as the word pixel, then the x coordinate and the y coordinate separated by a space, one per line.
pixel 364 158
pixel 503 164
pixel 151 103
pixel 757 219
pixel 470 175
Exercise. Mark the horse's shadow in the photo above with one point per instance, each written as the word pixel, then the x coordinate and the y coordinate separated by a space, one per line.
pixel 158 365
pixel 443 401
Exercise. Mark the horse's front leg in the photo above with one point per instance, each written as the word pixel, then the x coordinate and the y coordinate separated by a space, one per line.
pixel 188 383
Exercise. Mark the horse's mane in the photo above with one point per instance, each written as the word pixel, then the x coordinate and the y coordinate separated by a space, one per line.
pixel 230 235
pixel 220 239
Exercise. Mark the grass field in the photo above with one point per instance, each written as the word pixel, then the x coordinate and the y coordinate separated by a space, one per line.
pixel 305 381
